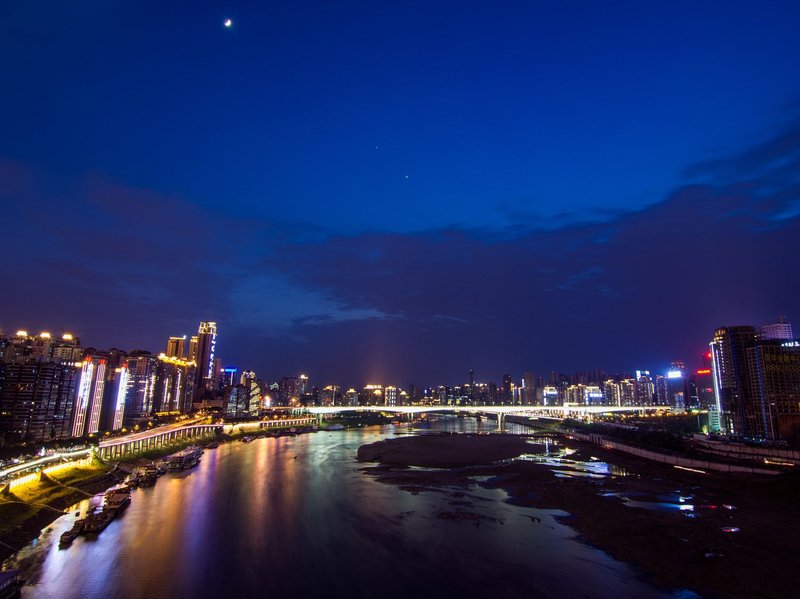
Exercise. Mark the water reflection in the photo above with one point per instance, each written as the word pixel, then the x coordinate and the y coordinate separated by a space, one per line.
pixel 295 516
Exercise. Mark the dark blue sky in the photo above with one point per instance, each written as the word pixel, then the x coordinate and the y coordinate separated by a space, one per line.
pixel 401 190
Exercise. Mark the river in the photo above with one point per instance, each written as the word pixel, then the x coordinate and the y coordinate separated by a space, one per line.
pixel 296 516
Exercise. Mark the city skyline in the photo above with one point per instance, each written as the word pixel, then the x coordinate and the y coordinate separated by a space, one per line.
pixel 366 200
pixel 177 348
pixel 399 299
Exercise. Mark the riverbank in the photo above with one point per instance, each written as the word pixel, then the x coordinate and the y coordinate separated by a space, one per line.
pixel 637 511
pixel 29 507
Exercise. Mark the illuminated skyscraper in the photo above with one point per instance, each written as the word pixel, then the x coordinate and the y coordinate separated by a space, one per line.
pixel 118 389
pixel 506 395
pixel 288 391
pixel 729 369
pixel 391 396
pixel 243 400
pixel 774 367
pixel 37 399
pixel 780 330
pixel 174 385
pixel 330 395
pixel 528 388
pixel 204 358
pixel 612 395
pixel 89 399
pixel 141 386
pixel 176 347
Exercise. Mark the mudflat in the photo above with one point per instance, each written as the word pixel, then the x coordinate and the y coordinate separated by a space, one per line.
pixel 717 534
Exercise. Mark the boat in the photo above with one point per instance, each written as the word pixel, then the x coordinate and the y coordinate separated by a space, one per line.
pixel 117 499
pixel 185 458
pixel 149 477
pixel 67 537
pixel 212 445
pixel 247 439
pixel 96 523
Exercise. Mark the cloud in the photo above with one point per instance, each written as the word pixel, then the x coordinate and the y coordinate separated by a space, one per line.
pixel 128 267
pixel 272 305
pixel 776 159
pixel 642 287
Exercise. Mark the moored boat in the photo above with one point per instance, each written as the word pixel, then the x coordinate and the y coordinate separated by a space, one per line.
pixel 67 537
pixel 185 458
pixel 96 523
pixel 116 499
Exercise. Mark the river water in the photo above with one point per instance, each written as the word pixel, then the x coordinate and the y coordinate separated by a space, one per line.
pixel 296 517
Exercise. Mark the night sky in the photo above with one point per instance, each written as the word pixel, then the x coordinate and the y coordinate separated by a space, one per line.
pixel 401 191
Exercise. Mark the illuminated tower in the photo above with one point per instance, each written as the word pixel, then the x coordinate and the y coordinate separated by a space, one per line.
pixel 174 385
pixel 86 415
pixel 204 357
pixel 729 369
pixel 780 330
pixel 141 386
pixel 529 388
pixel 176 347
pixel 119 393
pixel 506 395
pixel 774 378
pixel 36 399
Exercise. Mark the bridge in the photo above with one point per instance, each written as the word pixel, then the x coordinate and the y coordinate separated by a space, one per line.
pixel 151 439
pixel 557 412
pixel 165 435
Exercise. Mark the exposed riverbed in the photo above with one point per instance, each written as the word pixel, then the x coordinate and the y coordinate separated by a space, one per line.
pixel 298 516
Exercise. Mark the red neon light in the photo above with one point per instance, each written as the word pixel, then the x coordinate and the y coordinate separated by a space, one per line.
pixel 704 371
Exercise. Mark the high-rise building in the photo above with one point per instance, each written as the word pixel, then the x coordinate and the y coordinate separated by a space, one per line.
pixel 37 399
pixel 174 385
pixel 627 392
pixel 611 393
pixel 139 404
pixel 118 389
pixel 390 394
pixel 779 330
pixel 176 347
pixel 204 358
pixel 676 385
pixel 372 395
pixel 729 369
pixel 506 395
pixel 645 388
pixel 351 397
pixel 288 391
pixel 773 407
pixel 89 399
pixel 705 388
pixel 42 347
pixel 528 388
pixel 114 395
pixel 243 400
pixel 550 396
